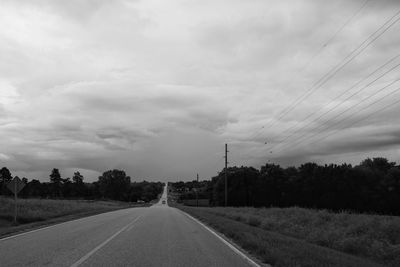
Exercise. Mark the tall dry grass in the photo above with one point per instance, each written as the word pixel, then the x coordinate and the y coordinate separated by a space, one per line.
pixel 31 210
pixel 372 236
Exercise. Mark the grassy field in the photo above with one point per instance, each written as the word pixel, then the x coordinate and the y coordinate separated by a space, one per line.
pixel 304 237
pixel 36 212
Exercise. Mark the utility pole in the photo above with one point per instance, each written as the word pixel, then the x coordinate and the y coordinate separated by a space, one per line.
pixel 197 193
pixel 15 201
pixel 226 175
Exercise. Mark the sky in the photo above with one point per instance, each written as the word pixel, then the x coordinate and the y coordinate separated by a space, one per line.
pixel 157 88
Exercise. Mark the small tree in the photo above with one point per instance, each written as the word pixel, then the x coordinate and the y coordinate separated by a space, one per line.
pixel 25 180
pixel 55 176
pixel 5 177
pixel 79 188
pixel 56 181
pixel 77 178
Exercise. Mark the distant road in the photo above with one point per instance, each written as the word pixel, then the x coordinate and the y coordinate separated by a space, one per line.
pixel 155 236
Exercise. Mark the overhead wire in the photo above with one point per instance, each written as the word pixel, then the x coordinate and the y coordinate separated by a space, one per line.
pixel 330 74
pixel 367 117
pixel 340 66
pixel 341 102
pixel 305 136
pixel 347 22
pixel 325 44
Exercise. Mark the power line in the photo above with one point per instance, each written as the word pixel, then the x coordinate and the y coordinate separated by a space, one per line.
pixel 343 101
pixel 325 44
pixel 347 22
pixel 341 65
pixel 299 141
pixel 350 57
pixel 357 121
pixel 338 115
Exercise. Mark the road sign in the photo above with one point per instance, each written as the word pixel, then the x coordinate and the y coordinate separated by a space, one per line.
pixel 16 185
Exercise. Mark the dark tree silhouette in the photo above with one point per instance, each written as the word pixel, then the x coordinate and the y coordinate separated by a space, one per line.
pixel 378 164
pixel 77 178
pixel 56 181
pixel 5 177
pixel 114 184
pixel 371 186
pixel 79 189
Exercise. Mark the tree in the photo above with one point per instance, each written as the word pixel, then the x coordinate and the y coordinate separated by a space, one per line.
pixel 34 189
pixel 378 164
pixel 56 181
pixel 269 188
pixel 114 184
pixel 5 176
pixel 78 187
pixel 77 178
pixel 55 176
pixel 241 186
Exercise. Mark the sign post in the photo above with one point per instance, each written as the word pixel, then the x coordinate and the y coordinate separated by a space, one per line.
pixel 15 185
pixel 197 193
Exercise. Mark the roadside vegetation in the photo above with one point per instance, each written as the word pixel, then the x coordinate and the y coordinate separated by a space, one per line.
pixel 111 185
pixel 33 213
pixel 305 237
pixel 32 210
pixel 373 186
pixel 330 215
pixel 61 199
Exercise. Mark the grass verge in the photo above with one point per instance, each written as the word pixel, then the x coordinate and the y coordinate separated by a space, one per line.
pixel 245 226
pixel 35 213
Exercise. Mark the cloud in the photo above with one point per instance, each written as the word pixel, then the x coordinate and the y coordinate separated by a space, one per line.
pixel 158 87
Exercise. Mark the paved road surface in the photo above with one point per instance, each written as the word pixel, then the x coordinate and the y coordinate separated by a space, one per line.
pixel 155 236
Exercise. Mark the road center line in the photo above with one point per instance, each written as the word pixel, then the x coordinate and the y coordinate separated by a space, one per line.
pixel 87 256
pixel 130 227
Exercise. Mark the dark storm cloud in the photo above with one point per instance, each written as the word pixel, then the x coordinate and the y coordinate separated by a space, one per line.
pixel 367 144
pixel 93 85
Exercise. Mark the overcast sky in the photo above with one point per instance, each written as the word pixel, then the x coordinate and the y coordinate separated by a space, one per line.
pixel 158 87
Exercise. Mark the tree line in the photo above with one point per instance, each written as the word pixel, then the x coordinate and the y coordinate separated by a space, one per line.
pixel 112 184
pixel 371 186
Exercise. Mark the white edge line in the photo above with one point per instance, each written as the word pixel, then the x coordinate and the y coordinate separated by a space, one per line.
pixel 240 253
pixel 87 256
pixel 53 225
pixel 42 228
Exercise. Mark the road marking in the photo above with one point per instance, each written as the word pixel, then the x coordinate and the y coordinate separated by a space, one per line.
pixel 44 228
pixel 240 253
pixel 133 225
pixel 54 225
pixel 87 256
pixel 24 233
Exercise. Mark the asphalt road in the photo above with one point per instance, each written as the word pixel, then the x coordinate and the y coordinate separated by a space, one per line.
pixel 154 236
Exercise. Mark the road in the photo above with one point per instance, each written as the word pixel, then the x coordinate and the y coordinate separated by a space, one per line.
pixel 156 236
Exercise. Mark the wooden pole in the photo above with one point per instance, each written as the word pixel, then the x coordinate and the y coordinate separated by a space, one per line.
pixel 15 201
pixel 197 193
pixel 226 175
